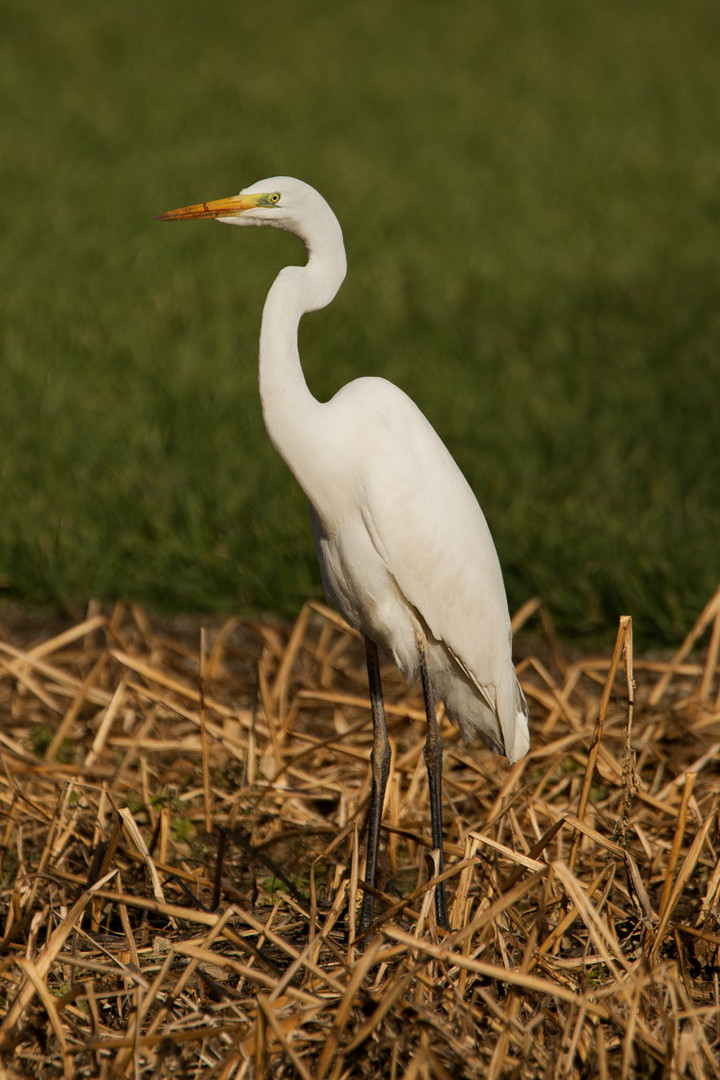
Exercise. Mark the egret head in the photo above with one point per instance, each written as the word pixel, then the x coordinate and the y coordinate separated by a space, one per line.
pixel 284 203
pixel 280 201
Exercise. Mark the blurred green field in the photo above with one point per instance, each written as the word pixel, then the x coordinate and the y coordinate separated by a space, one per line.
pixel 530 195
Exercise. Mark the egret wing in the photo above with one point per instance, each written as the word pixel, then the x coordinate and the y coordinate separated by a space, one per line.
pixel 432 535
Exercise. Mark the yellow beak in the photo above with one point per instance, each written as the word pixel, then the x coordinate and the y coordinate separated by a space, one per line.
pixel 233 206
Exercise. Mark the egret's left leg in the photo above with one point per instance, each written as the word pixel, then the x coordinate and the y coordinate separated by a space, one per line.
pixel 433 754
pixel 380 766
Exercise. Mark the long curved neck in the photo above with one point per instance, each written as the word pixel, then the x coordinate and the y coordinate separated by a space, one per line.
pixel 290 411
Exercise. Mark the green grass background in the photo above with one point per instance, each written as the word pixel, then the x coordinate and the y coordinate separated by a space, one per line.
pixel 530 194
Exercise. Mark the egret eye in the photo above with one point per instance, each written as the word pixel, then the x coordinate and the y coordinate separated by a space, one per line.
pixel 275 197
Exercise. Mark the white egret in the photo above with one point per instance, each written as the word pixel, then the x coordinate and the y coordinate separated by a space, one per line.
pixel 405 552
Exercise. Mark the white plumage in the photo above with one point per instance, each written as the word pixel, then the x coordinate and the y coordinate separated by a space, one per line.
pixel 405 552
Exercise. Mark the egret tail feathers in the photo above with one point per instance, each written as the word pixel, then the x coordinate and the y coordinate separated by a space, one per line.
pixel 496 716
pixel 517 740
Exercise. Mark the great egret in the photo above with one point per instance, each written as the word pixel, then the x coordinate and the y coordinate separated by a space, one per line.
pixel 405 552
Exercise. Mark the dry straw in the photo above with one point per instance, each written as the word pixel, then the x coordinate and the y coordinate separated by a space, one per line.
pixel 180 867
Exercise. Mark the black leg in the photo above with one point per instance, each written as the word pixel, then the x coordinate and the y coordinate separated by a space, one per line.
pixel 380 765
pixel 433 754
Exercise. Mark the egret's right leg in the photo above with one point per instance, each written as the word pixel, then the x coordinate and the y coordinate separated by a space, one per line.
pixel 380 766
pixel 433 754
